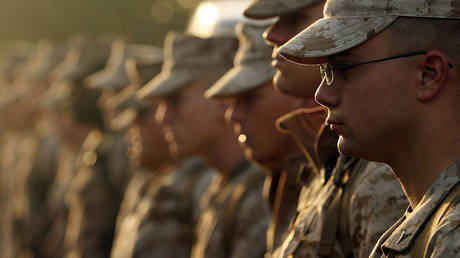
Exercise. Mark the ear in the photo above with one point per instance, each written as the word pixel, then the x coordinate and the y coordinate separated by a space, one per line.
pixel 435 68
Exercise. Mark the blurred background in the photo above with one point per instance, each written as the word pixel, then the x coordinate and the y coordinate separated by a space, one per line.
pixel 143 21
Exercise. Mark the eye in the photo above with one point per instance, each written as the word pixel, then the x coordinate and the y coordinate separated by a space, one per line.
pixel 174 100
pixel 247 99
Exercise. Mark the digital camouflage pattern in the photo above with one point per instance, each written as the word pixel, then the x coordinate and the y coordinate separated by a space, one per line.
pixel 251 66
pixel 348 214
pixel 85 56
pixel 261 9
pixel 95 195
pixel 234 216
pixel 114 75
pixel 158 219
pixel 348 23
pixel 187 58
pixel 56 203
pixel 18 153
pixel 403 238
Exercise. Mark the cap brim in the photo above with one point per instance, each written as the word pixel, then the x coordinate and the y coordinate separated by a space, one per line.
pixel 106 80
pixel 329 36
pixel 167 83
pixel 124 119
pixel 240 79
pixel 268 9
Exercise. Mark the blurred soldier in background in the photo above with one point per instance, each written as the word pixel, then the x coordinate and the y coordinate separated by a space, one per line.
pixel 14 59
pixel 348 212
pixel 97 191
pixel 30 151
pixel 160 208
pixel 234 216
pixel 75 113
pixel 254 108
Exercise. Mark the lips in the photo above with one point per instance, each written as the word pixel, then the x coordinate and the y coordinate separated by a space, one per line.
pixel 335 125
pixel 278 63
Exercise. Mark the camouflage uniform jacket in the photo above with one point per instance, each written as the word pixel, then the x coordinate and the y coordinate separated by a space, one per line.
pixel 136 189
pixel 346 217
pixel 282 189
pixel 17 156
pixel 164 214
pixel 58 210
pixel 234 216
pixel 406 235
pixel 94 198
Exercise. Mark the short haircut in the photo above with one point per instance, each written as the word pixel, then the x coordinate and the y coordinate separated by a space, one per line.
pixel 411 34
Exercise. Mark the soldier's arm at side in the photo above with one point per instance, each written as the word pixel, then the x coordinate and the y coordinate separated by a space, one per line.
pixel 376 204
pixel 253 217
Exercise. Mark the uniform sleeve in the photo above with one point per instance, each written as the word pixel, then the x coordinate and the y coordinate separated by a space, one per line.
pixel 251 225
pixel 376 204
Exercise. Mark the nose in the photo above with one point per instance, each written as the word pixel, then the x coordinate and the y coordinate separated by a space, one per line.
pixel 327 95
pixel 273 35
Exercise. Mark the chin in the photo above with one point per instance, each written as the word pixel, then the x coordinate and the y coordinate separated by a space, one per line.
pixel 351 149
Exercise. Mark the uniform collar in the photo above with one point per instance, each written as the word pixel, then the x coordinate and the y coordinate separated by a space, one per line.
pixel 404 236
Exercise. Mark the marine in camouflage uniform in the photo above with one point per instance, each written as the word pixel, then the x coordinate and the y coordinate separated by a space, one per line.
pixel 13 59
pixel 97 191
pixel 70 106
pixel 234 217
pixel 161 201
pixel 254 124
pixel 429 228
pixel 340 211
pixel 34 165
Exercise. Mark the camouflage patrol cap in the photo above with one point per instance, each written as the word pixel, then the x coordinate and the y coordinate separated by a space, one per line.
pixel 252 64
pixel 127 106
pixel 262 9
pixel 85 56
pixel 114 74
pixel 188 58
pixel 348 23
pixel 142 69
pixel 13 58
pixel 46 56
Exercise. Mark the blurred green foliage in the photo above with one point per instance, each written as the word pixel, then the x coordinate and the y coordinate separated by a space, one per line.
pixel 143 21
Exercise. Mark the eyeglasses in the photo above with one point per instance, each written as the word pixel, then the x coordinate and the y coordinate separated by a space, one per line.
pixel 327 70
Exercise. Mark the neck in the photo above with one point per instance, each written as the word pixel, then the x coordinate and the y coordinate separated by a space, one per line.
pixel 419 163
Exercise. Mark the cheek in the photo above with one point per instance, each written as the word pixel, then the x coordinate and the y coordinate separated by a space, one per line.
pixel 298 80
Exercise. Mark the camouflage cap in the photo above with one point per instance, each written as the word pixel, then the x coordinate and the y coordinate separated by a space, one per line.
pixel 262 9
pixel 188 58
pixel 57 96
pixel 85 56
pixel 125 103
pixel 46 56
pixel 252 64
pixel 114 75
pixel 348 23
pixel 13 57
pixel 127 106
pixel 142 69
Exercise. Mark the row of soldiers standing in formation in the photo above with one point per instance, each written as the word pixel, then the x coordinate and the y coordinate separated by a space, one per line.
pixel 112 149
